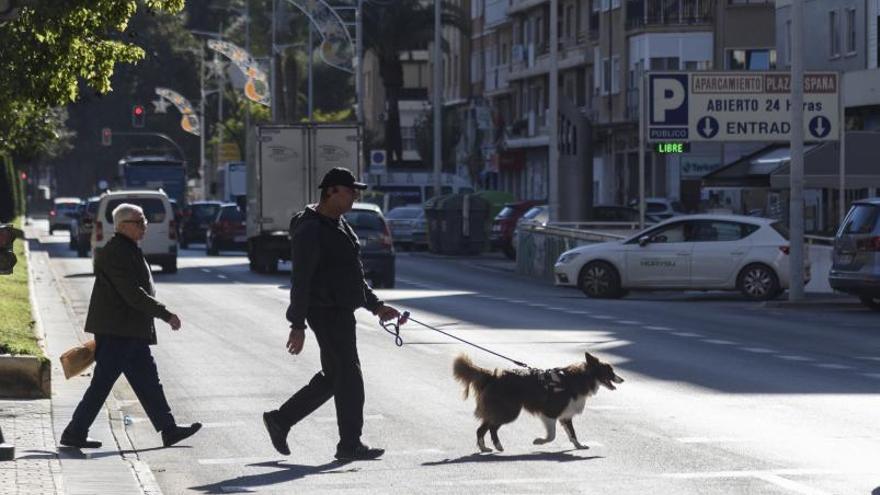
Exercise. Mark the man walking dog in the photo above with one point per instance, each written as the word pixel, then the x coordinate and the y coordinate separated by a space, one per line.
pixel 121 313
pixel 327 286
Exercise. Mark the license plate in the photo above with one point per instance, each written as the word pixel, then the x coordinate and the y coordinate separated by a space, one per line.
pixel 845 259
pixel 240 238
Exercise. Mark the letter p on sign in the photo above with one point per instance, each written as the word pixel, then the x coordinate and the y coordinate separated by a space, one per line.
pixel 668 94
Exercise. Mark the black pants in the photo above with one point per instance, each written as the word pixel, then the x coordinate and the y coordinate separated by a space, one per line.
pixel 340 376
pixel 115 356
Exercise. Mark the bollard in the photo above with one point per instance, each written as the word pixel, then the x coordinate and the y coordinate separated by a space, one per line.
pixel 7 451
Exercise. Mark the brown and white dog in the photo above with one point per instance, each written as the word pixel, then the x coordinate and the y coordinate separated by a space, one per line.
pixel 554 394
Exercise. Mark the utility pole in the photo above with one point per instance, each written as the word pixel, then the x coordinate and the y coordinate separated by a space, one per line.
pixel 553 151
pixel 202 121
pixel 272 66
pixel 359 59
pixel 437 104
pixel 796 201
pixel 247 102
pixel 311 53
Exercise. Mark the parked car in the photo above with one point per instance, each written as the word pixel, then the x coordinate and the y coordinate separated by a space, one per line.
pixel 702 252
pixel 227 231
pixel 197 217
pixel 855 259
pixel 160 241
pixel 662 208
pixel 408 226
pixel 62 212
pixel 81 227
pixel 377 245
pixel 616 213
pixel 536 216
pixel 503 225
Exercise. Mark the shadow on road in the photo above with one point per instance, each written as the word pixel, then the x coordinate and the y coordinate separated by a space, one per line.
pixel 284 473
pixel 564 456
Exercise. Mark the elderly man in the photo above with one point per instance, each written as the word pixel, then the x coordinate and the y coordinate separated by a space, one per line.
pixel 121 313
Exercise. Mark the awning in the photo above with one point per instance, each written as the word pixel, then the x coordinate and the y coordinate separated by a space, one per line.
pixel 769 167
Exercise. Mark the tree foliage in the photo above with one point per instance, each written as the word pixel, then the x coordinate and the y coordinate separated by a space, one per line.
pixel 53 51
pixel 450 135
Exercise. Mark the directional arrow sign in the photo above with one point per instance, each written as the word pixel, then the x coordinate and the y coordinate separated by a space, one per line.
pixel 708 127
pixel 819 126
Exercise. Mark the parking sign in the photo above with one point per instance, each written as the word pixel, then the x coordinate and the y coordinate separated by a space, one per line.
pixel 739 106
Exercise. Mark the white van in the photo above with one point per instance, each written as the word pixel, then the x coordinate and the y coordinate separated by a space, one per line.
pixel 160 242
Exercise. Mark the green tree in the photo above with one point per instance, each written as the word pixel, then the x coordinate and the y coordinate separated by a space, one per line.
pixel 54 50
pixel 392 27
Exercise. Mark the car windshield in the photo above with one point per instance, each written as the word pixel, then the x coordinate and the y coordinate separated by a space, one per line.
pixel 365 220
pixel 506 212
pixel 231 213
pixel 154 208
pixel 534 212
pixel 404 213
pixel 861 219
pixel 205 212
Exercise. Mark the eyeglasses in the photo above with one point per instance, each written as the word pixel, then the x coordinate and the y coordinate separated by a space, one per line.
pixel 141 222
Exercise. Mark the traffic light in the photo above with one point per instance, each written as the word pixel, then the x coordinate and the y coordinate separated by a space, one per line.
pixel 8 234
pixel 107 136
pixel 138 116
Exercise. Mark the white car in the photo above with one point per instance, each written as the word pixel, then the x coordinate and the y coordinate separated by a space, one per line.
pixel 660 207
pixel 160 242
pixel 692 252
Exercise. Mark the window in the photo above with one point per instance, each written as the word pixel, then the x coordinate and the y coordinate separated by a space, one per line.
pixel 606 75
pixel 861 219
pixel 154 208
pixel 597 70
pixel 570 23
pixel 759 59
pixel 834 34
pixel 708 231
pixel 503 53
pixel 850 31
pixel 408 138
pixel 615 74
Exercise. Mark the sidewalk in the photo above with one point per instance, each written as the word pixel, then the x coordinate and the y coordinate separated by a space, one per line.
pixel 34 427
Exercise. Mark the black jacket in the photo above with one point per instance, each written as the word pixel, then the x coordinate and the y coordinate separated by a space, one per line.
pixel 326 267
pixel 123 300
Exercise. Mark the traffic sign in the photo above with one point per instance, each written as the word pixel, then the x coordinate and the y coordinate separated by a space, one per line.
pixel 377 161
pixel 739 106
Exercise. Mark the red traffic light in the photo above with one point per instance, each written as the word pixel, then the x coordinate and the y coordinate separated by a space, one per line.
pixel 138 110
pixel 138 116
pixel 106 136
pixel 23 175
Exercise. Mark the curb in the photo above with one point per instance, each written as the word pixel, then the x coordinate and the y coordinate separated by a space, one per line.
pixel 25 377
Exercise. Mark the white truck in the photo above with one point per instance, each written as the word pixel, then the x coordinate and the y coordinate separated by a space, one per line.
pixel 234 181
pixel 290 162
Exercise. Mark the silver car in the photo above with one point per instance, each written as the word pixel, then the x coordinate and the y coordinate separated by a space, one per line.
pixel 855 261
pixel 408 226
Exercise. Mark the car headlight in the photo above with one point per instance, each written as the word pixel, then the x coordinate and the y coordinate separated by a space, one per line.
pixel 567 258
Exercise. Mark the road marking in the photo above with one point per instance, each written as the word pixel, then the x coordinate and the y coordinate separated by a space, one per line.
pixel 875 376
pixel 757 350
pixel 554 308
pixel 686 334
pixel 868 358
pixel 603 317
pixel 832 366
pixel 223 424
pixel 792 357
pixel 516 301
pixel 790 485
pixel 205 270
pixel 627 322
pixel 580 312
pixel 662 329
pixel 234 460
pixel 222 276
pixel 332 419
pixel 715 439
pixel 718 342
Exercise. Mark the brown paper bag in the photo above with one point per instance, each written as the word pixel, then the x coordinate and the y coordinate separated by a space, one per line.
pixel 75 360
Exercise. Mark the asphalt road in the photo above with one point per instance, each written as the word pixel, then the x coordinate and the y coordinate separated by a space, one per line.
pixel 721 396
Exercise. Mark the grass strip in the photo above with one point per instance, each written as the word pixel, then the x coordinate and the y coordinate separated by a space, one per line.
pixel 16 323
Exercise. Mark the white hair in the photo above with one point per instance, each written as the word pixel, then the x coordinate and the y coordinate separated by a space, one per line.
pixel 125 211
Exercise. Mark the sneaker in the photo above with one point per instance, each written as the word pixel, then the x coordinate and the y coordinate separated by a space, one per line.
pixel 277 433
pixel 176 433
pixel 358 453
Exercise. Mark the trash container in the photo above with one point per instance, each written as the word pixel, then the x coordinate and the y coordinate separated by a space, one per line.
pixel 457 224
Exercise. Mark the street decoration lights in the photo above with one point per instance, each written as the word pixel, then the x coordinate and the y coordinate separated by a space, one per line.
pixel 256 88
pixel 189 121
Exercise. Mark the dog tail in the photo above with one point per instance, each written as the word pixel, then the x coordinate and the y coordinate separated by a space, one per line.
pixel 471 375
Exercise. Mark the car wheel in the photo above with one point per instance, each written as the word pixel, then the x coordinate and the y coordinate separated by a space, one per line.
pixel 758 283
pixel 871 302
pixel 600 280
pixel 509 251
pixel 170 267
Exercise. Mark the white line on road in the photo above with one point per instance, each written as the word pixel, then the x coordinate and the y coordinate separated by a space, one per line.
pixel 234 460
pixel 832 366
pixel 602 317
pixel 686 334
pixel 224 277
pixel 662 329
pixel 793 357
pixel 222 424
pixel 205 270
pixel 790 485
pixel 718 342
pixel 716 439
pixel 627 322
pixel 868 358
pixel 757 350
pixel 875 376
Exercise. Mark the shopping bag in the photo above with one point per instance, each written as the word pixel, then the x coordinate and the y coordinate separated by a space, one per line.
pixel 75 360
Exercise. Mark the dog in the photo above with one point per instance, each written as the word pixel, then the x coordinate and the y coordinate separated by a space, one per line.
pixel 554 394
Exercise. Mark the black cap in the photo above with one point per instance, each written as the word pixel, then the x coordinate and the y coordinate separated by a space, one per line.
pixel 341 176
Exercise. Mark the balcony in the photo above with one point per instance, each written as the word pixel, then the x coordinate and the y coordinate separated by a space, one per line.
pixel 523 5
pixel 495 79
pixel 680 13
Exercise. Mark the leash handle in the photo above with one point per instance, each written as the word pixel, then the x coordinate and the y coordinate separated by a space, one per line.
pixel 394 328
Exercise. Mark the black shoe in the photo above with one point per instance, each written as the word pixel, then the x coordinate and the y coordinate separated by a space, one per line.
pixel 69 440
pixel 277 433
pixel 358 453
pixel 176 433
